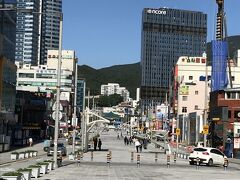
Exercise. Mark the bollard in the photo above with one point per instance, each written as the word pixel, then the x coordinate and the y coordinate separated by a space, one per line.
pixel 131 156
pixel 81 155
pixel 168 160
pixel 138 160
pixel 225 165
pixel 59 161
pixel 197 163
pixel 175 157
pixel 156 157
pixel 78 159
pixel 91 155
pixel 108 159
pixel 110 155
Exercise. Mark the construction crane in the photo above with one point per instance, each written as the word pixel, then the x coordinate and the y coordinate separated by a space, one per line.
pixel 221 32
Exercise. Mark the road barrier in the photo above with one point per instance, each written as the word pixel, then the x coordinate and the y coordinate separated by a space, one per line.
pixel 138 160
pixel 110 153
pixel 156 157
pixel 197 163
pixel 168 160
pixel 91 155
pixel 78 159
pixel 108 159
pixel 225 165
pixel 131 156
pixel 175 157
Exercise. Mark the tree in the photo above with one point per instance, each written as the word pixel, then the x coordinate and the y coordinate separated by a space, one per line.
pixel 109 101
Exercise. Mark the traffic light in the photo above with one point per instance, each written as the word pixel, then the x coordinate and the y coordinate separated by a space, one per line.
pixel 219 27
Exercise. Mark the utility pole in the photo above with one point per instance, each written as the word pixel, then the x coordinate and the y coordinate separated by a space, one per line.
pixel 75 106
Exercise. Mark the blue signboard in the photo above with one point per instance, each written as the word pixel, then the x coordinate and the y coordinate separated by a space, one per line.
pixel 219 65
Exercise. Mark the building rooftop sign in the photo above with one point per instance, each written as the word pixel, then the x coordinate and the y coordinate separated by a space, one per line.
pixel 156 11
pixel 192 60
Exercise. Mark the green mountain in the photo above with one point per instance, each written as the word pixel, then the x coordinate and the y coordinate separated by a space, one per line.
pixel 128 75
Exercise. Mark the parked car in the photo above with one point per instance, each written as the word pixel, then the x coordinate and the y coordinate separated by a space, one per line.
pixel 61 150
pixel 207 155
pixel 78 141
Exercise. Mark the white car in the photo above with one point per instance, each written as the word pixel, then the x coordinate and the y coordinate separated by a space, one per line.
pixel 207 155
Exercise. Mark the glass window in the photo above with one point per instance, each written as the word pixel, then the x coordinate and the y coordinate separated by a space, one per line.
pixel 190 77
pixel 184 98
pixel 196 92
pixel 196 107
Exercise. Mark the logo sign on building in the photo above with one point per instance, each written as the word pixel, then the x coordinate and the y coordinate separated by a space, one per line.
pixel 196 60
pixel 156 11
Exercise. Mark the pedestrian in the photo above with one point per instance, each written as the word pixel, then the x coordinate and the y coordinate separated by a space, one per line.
pixel 99 144
pixel 95 143
pixel 125 140
pixel 140 147
pixel 30 140
pixel 130 140
pixel 137 144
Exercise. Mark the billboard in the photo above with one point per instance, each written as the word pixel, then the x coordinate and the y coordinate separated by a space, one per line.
pixel 184 90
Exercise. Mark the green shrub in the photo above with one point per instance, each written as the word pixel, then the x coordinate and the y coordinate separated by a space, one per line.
pixel 12 173
pixel 14 152
pixel 34 166
pixel 42 163
pixel 24 169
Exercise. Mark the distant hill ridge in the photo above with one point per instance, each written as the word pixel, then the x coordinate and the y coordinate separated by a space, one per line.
pixel 128 75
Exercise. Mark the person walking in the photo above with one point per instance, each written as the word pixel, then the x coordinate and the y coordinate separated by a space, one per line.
pixel 137 144
pixel 125 140
pixel 30 140
pixel 99 144
pixel 95 143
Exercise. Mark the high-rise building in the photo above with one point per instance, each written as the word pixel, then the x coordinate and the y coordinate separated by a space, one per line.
pixel 37 31
pixel 167 34
pixel 50 27
pixel 27 32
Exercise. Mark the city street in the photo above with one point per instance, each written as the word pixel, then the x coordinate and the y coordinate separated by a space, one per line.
pixel 121 166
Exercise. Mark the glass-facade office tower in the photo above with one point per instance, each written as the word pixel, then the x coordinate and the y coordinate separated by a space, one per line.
pixel 37 32
pixel 7 29
pixel 50 27
pixel 166 35
pixel 27 32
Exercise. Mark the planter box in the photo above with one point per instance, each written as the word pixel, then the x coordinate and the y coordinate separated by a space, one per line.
pixel 12 177
pixel 43 169
pixel 34 153
pixel 14 156
pixel 35 172
pixel 26 174
pixel 26 155
pixel 50 166
pixel 71 157
pixel 30 154
pixel 21 156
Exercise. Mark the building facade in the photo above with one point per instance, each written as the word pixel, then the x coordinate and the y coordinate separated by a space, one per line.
pixel 50 27
pixel 37 32
pixel 167 34
pixel 114 88
pixel 7 72
pixel 27 32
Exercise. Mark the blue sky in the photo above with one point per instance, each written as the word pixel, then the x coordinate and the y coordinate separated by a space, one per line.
pixel 108 32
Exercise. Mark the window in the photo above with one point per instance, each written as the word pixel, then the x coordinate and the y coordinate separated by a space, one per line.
pixel 233 78
pixel 196 107
pixel 190 77
pixel 184 109
pixel 196 92
pixel 184 98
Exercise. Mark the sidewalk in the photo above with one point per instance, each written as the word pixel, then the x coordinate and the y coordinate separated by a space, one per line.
pixel 5 156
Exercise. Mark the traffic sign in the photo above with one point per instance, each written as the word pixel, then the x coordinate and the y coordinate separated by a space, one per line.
pixel 177 131
pixel 54 107
pixel 54 115
pixel 205 129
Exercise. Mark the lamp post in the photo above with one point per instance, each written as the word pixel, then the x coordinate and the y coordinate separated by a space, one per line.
pixel 56 131
pixel 75 107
